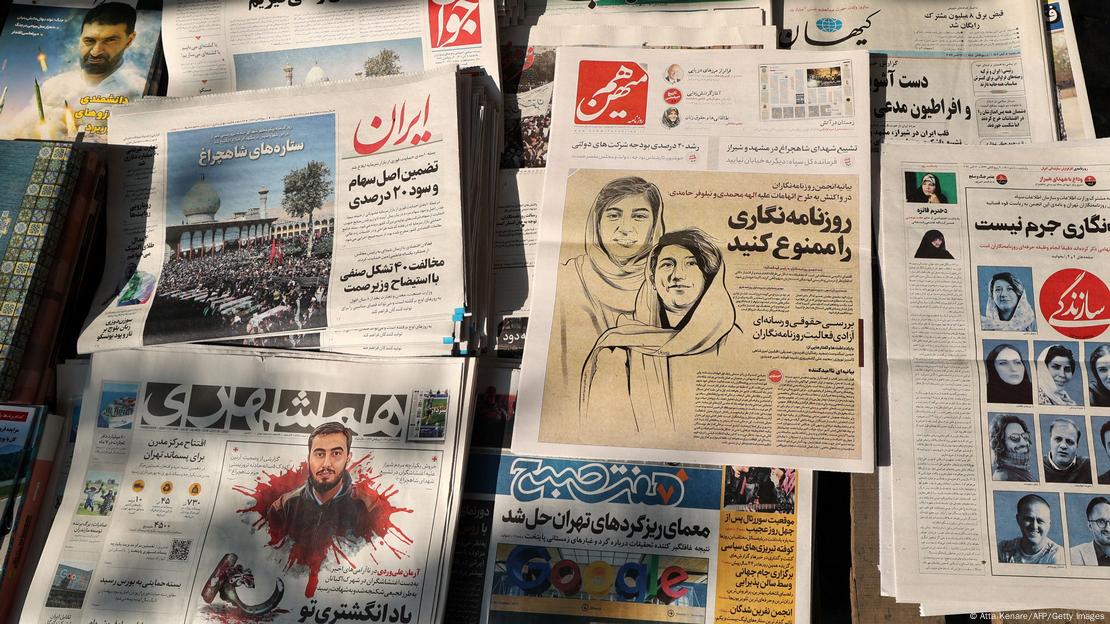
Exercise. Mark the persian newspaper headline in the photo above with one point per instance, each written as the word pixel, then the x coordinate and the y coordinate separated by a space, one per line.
pixel 693 291
pixel 282 212
pixel 211 485
pixel 997 308
pixel 973 73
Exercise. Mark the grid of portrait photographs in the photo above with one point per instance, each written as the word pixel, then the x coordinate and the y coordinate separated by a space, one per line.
pixel 1046 430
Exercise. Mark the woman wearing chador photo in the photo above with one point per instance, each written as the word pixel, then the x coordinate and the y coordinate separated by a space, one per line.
pixel 1007 306
pixel 1007 376
pixel 932 247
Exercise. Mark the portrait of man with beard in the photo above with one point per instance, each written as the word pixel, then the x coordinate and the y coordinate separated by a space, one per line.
pixel 327 505
pixel 107 32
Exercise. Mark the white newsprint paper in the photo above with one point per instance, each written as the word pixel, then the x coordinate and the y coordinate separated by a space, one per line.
pixel 283 211
pixel 213 47
pixel 578 541
pixel 215 485
pixel 996 265
pixel 703 268
pixel 973 72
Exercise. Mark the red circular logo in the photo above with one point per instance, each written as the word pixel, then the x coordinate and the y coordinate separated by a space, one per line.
pixel 1076 303
pixel 1089 180
pixel 1001 179
pixel 672 96
pixel 775 376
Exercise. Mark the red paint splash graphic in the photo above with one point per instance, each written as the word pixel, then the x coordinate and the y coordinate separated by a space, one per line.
pixel 377 529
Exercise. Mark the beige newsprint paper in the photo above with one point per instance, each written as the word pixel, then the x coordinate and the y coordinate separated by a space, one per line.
pixel 971 73
pixel 216 485
pixel 996 317
pixel 695 291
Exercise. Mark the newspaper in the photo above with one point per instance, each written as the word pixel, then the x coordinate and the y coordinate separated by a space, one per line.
pixel 198 494
pixel 574 541
pixel 244 215
pixel 996 314
pixel 565 12
pixel 66 62
pixel 1074 108
pixel 213 47
pixel 971 73
pixel 528 60
pixel 755 347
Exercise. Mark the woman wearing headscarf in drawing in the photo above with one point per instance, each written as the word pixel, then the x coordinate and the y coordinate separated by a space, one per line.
pixel 1010 443
pixel 932 247
pixel 1099 363
pixel 683 311
pixel 1007 376
pixel 1007 307
pixel 596 287
pixel 928 192
pixel 1055 368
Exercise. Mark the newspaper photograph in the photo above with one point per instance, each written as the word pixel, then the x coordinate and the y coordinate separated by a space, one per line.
pixel 217 486
pixel 528 63
pixel 1076 122
pixel 67 62
pixel 214 47
pixel 693 292
pixel 974 73
pixel 997 308
pixel 582 541
pixel 280 212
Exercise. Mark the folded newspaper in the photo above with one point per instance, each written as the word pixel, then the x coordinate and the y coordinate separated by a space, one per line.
pixel 346 206
pixel 213 485
pixel 695 291
pixel 999 375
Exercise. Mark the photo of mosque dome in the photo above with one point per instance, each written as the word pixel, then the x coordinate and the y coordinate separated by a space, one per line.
pixel 250 216
pixel 306 66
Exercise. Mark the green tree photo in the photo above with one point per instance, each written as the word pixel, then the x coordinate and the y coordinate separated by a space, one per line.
pixel 305 191
pixel 384 63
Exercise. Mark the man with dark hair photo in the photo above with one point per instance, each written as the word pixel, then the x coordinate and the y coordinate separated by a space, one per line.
pixel 1097 551
pixel 327 504
pixel 1063 461
pixel 1034 519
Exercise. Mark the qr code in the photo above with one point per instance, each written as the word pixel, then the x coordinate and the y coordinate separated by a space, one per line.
pixel 179 549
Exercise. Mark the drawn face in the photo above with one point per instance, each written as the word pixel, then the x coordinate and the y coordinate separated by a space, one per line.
pixel 1063 442
pixel 1061 369
pixel 625 227
pixel 1100 515
pixel 1102 370
pixel 101 47
pixel 327 460
pixel 1004 295
pixel 1017 441
pixel 678 278
pixel 1009 366
pixel 1035 520
pixel 929 185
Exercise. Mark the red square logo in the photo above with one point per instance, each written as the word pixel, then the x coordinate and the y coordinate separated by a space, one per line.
pixel 454 23
pixel 611 93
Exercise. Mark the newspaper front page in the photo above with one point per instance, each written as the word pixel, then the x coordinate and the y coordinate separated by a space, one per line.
pixel 282 211
pixel 213 47
pixel 1072 104
pixel 969 73
pixel 212 485
pixel 528 59
pixel 747 335
pixel 67 62
pixel 997 308
pixel 576 541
